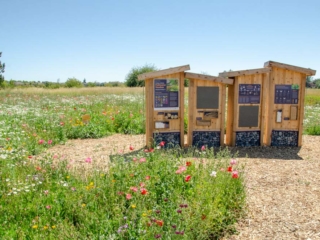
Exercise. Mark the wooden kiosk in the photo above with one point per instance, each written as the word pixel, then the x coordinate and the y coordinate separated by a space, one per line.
pixel 207 100
pixel 165 106
pixel 247 107
pixel 285 107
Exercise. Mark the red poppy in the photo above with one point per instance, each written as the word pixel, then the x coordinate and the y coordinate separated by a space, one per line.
pixel 29 157
pixel 147 177
pixel 188 164
pixel 38 168
pixel 162 143
pixel 229 169
pixel 235 174
pixel 131 148
pixel 143 191
pixel 187 178
pixel 159 223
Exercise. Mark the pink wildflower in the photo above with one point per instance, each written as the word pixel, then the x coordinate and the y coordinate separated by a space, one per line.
pixel 147 177
pixel 88 160
pixel 135 189
pixel 203 148
pixel 49 142
pixel 142 160
pixel 48 207
pixel 233 162
pixel 181 169
pixel 41 141
pixel 128 196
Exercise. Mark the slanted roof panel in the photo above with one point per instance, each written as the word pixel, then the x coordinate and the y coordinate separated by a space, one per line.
pixel 244 72
pixel 208 78
pixel 306 71
pixel 163 72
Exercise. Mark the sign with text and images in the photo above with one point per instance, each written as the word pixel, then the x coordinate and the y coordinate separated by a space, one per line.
pixel 249 93
pixel 166 94
pixel 286 94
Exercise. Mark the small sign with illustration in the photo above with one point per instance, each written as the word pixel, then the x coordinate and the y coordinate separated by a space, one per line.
pixel 161 125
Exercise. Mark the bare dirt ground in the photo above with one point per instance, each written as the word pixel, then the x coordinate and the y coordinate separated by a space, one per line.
pixel 282 184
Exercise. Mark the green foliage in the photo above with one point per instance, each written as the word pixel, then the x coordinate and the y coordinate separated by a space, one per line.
pixel 2 67
pixel 132 77
pixel 73 82
pixel 44 201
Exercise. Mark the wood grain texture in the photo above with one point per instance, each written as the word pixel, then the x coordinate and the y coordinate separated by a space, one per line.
pixel 198 76
pixel 163 72
pixel 307 71
pixel 244 72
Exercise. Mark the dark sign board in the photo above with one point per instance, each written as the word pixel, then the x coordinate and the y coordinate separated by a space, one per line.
pixel 166 94
pixel 249 93
pixel 207 97
pixel 285 94
pixel 248 116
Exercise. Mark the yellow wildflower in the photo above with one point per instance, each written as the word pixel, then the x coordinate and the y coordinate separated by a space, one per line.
pixel 45 227
pixel 83 204
pixel 133 206
pixel 53 227
pixel 35 226
pixel 67 177
pixel 144 214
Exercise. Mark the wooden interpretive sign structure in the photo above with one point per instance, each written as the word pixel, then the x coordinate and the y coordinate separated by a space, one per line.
pixel 165 106
pixel 247 107
pixel 284 125
pixel 207 100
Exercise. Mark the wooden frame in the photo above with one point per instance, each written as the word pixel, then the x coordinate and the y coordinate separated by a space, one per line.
pixel 176 125
pixel 206 125
pixel 285 75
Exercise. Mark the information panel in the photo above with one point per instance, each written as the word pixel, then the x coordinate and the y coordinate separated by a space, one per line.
pixel 249 93
pixel 166 94
pixel 286 94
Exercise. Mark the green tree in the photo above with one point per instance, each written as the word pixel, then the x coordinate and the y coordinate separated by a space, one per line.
pixel 73 82
pixel 132 77
pixel 2 67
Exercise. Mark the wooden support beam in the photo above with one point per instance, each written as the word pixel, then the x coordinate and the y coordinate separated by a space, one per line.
pixel 244 72
pixel 163 72
pixel 307 71
pixel 208 77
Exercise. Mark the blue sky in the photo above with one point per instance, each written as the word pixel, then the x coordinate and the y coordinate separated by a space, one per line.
pixel 101 40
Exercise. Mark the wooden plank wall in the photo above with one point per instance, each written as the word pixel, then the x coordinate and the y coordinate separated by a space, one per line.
pixel 233 106
pixel 217 124
pixel 280 76
pixel 176 125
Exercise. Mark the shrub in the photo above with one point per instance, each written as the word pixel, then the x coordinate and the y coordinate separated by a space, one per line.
pixel 73 82
pixel 132 77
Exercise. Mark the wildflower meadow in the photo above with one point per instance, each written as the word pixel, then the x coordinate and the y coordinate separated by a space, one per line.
pixel 152 193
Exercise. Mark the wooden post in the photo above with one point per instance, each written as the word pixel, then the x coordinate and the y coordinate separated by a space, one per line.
pixel 301 112
pixel 181 88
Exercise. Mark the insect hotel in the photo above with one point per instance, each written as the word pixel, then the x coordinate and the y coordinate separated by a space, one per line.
pixel 207 101
pixel 285 108
pixel 247 102
pixel 165 106
pixel 266 105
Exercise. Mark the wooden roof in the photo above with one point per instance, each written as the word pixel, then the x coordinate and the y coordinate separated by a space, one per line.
pixel 307 71
pixel 163 72
pixel 208 78
pixel 244 72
